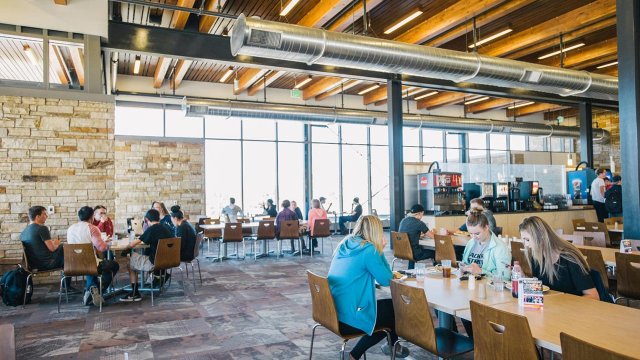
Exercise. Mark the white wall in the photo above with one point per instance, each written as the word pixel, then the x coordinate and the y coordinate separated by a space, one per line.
pixel 79 16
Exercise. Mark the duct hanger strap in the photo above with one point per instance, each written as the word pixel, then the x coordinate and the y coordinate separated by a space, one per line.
pixel 490 130
pixel 475 73
pixel 321 54
pixel 576 92
pixel 550 133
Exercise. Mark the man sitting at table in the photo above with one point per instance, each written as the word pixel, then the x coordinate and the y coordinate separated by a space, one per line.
pixel 102 221
pixel 416 229
pixel 154 232
pixel 232 210
pixel 285 214
pixel 356 211
pixel 84 232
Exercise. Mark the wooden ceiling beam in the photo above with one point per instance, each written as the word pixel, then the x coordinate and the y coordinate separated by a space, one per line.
pixel 447 19
pixel 481 20
pixel 567 113
pixel 59 66
pixel 442 99
pixel 338 89
pixel 161 71
pixel 378 95
pixel 264 81
pixel 179 18
pixel 61 2
pixel 178 21
pixel 533 109
pixel 179 72
pixel 611 70
pixel 348 17
pixel 78 63
pixel 317 87
pixel 586 54
pixel 491 104
pixel 324 11
pixel 206 22
pixel 248 78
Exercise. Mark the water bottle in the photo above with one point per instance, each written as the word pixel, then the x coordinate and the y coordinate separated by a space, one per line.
pixel 516 273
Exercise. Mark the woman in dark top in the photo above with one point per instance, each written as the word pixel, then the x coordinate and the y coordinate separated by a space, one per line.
pixel 555 261
pixel 270 209
pixel 165 217
pixel 185 231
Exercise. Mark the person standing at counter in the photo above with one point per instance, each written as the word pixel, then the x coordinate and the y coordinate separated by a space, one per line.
pixel 416 229
pixel 598 189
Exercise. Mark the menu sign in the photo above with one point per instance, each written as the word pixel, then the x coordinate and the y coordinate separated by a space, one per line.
pixel 530 293
pixel 625 246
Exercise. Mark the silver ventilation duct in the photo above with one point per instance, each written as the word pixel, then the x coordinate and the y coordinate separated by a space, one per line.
pixel 324 115
pixel 276 40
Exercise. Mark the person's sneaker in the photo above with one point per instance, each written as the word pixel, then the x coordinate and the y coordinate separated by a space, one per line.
pixel 131 297
pixel 401 352
pixel 86 298
pixel 96 296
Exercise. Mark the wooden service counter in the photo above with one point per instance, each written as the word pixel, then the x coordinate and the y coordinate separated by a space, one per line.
pixel 557 219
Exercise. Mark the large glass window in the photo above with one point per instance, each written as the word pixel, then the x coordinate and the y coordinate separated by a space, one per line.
pixel 223 178
pixel 411 154
pixel 259 175
pixel 453 147
pixel 178 125
pixel 380 198
pixel 139 121
pixel 218 127
pixel 379 135
pixel 432 138
pixel 291 172
pixel 518 142
pixel 290 131
pixel 477 141
pixel 432 154
pixel 536 143
pixel 355 175
pixel 258 129
pixel 326 177
pixel 354 134
pixel 498 142
pixel 410 136
pixel 325 133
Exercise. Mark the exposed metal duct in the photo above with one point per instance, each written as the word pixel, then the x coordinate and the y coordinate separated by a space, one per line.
pixel 277 40
pixel 324 115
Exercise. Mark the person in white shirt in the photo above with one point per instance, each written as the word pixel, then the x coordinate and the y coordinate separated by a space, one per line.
pixel 84 232
pixel 598 189
pixel 232 210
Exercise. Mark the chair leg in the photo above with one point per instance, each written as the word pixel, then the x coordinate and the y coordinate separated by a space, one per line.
pixel 393 263
pixel 100 279
pixel 59 293
pixel 313 335
pixel 66 292
pixel 199 272
pixel 300 247
pixel 26 288
pixel 389 342
pixel 186 270
pixel 184 292
pixel 344 344
pixel 193 275
pixel 244 250
pixel 152 294
pixel 393 349
pixel 219 253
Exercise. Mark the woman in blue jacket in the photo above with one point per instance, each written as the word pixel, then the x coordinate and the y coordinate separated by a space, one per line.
pixel 357 263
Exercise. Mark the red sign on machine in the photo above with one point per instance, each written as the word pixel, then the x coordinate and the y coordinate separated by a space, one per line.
pixel 424 181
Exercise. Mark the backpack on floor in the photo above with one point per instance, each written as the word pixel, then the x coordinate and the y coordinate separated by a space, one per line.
pixel 13 287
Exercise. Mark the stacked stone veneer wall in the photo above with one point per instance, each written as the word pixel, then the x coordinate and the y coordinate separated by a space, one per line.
pixel 609 121
pixel 147 171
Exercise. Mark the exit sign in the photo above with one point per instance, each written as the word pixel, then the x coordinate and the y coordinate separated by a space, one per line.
pixel 296 93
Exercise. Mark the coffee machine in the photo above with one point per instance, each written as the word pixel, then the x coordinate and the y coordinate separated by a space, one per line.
pixel 515 201
pixel 441 192
pixel 500 197
pixel 528 194
pixel 482 191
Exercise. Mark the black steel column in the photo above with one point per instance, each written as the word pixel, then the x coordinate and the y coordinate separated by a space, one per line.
pixel 628 15
pixel 396 163
pixel 586 133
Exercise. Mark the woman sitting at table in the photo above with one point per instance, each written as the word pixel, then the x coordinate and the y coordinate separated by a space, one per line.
pixel 315 213
pixel 485 253
pixel 555 261
pixel 165 217
pixel 184 231
pixel 357 263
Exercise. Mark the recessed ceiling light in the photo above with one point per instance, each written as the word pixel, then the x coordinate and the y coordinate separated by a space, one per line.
pixel 563 50
pixel 303 82
pixel 492 37
pixel 136 65
pixel 482 98
pixel 607 65
pixel 403 22
pixel 426 95
pixel 371 88
pixel 226 75
pixel 521 105
pixel 288 8
pixel 416 91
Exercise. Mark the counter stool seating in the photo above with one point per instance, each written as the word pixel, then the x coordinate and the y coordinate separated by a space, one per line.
pixel 232 234
pixel 321 230
pixel 196 253
pixel 415 325
pixel 518 254
pixel 445 249
pixel 577 349
pixel 628 276
pixel 33 272
pixel 596 262
pixel 289 230
pixel 500 335
pixel 79 260
pixel 266 232
pixel 401 247
pixel 167 258
pixel 324 312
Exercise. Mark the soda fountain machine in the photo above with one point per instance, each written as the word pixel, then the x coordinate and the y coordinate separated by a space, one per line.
pixel 579 184
pixel 482 191
pixel 441 192
pixel 501 197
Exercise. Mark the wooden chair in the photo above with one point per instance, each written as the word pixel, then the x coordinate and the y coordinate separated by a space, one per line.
pixel 579 224
pixel 415 325
pixel 401 247
pixel 167 258
pixel 211 234
pixel 613 220
pixel 596 262
pixel 79 260
pixel 268 219
pixel 628 276
pixel 8 341
pixel 266 232
pixel 289 230
pixel 196 253
pixel 518 254
pixel 232 234
pixel 325 314
pixel 202 221
pixel 501 335
pixel 34 272
pixel 577 349
pixel 598 227
pixel 575 238
pixel 445 249
pixel 246 231
pixel 322 230
pixel 589 238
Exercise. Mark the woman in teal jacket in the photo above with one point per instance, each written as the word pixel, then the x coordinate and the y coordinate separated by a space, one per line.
pixel 485 253
pixel 357 263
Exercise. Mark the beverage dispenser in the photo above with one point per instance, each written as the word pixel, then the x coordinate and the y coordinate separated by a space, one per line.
pixel 441 192
pixel 501 197
pixel 482 191
pixel 579 184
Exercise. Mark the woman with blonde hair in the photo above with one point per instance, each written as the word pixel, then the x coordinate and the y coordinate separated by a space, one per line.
pixel 357 264
pixel 555 261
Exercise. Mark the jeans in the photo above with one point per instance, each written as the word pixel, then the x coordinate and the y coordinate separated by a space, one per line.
pixel 385 318
pixel 343 219
pixel 601 210
pixel 107 269
pixel 448 321
pixel 421 254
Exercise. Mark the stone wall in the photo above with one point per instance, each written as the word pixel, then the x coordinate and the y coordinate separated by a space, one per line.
pixel 147 171
pixel 52 152
pixel 609 121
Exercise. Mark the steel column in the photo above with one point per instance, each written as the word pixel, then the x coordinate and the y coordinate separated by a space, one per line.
pixel 396 161
pixel 586 133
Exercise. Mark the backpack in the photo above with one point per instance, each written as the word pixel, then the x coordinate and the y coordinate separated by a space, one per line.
pixel 13 287
pixel 613 201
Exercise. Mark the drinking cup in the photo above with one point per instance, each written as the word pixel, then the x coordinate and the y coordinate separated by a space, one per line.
pixel 446 268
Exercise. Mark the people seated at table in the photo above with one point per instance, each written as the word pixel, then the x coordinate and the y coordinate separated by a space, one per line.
pixel 185 231
pixel 296 209
pixel 555 261
pixel 358 263
pixel 42 252
pixel 84 232
pixel 315 213
pixel 231 211
pixel 356 212
pixel 165 217
pixel 323 200
pixel 270 209
pixel 285 214
pixel 144 262
pixel 416 229
pixel 102 221
pixel 478 204
pixel 485 253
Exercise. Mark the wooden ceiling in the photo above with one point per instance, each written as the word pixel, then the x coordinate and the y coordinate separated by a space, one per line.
pixel 536 27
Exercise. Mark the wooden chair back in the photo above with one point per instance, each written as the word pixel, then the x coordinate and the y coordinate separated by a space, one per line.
pixel 500 335
pixel 323 308
pixel 266 230
pixel 613 220
pixel 289 229
pixel 576 238
pixel 413 316
pixel 598 227
pixel 519 254
pixel 321 228
pixel 199 240
pixel 79 259
pixel 246 230
pixel 444 249
pixel 579 224
pixel 596 262
pixel 628 275
pixel 268 219
pixel 202 221
pixel 232 232
pixel 167 254
pixel 212 233
pixel 577 349
pixel 401 246
pixel 592 238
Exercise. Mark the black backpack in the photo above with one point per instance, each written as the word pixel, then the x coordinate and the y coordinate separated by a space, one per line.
pixel 613 201
pixel 13 287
